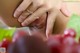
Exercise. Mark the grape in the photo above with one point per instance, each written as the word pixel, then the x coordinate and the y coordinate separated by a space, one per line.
pixel 69 32
pixel 5 43
pixel 54 43
pixel 68 49
pixel 69 41
pixel 29 44
pixel 77 48
pixel 19 34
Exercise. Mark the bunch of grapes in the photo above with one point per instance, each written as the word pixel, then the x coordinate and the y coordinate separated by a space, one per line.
pixel 8 38
pixel 22 42
pixel 65 43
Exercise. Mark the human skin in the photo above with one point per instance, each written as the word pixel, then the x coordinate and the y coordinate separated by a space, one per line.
pixel 6 12
pixel 8 7
pixel 73 7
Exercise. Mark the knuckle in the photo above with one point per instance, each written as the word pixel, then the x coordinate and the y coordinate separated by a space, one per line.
pixel 25 14
pixel 28 22
pixel 21 17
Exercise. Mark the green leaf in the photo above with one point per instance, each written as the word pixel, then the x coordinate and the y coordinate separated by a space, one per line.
pixel 6 33
pixel 74 23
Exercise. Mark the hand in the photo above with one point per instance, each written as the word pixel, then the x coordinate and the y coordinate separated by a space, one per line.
pixel 34 9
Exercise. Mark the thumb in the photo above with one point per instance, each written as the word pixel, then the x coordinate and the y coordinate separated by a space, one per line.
pixel 65 10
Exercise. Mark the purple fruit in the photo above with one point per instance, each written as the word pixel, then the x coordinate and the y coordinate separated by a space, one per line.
pixel 29 44
pixel 18 34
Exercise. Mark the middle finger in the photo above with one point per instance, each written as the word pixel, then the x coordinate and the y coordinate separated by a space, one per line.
pixel 35 16
pixel 30 10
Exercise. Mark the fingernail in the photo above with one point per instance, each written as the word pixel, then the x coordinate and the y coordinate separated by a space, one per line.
pixel 15 15
pixel 37 17
pixel 68 13
pixel 23 24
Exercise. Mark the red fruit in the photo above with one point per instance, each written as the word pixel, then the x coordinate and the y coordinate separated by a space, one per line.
pixel 19 34
pixel 29 44
pixel 69 32
pixel 69 41
pixel 68 49
pixel 54 43
pixel 79 40
pixel 77 48
pixel 5 43
pixel 56 37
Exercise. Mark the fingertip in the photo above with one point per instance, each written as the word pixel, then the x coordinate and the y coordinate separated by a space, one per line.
pixel 64 9
pixel 15 15
pixel 66 12
pixel 47 33
pixel 23 24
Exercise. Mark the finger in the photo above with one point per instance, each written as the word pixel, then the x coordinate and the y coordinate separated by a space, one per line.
pixel 22 8
pixel 40 23
pixel 35 16
pixel 23 16
pixel 26 13
pixel 65 11
pixel 50 22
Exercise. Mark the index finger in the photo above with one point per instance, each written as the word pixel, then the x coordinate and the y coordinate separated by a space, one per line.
pixel 22 7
